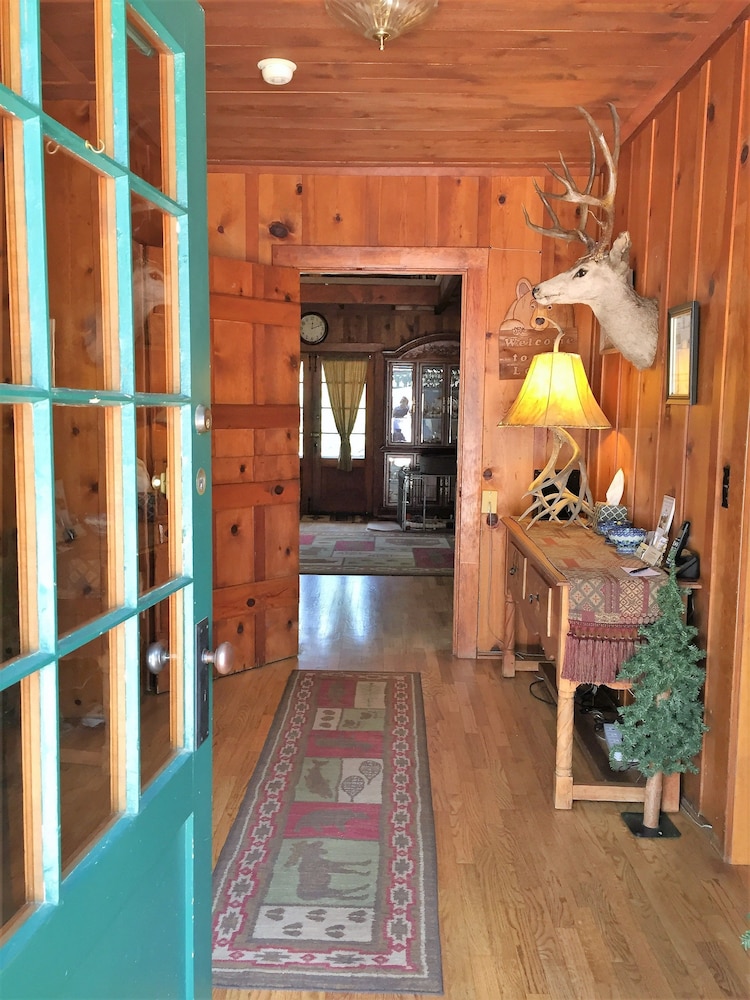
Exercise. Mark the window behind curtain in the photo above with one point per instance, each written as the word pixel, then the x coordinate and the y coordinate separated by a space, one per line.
pixel 330 440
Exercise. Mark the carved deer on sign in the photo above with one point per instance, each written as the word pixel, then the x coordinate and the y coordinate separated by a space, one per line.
pixel 600 279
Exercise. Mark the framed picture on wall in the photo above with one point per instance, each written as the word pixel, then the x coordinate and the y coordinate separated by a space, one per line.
pixel 682 354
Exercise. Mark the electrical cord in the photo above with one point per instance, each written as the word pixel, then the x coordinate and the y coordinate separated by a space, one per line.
pixel 691 815
pixel 545 701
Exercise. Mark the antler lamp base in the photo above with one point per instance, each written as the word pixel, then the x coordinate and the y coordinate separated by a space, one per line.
pixel 553 500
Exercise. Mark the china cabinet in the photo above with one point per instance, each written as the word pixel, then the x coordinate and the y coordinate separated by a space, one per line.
pixel 421 409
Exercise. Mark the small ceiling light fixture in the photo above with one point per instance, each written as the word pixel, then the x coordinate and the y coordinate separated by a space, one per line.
pixel 556 394
pixel 380 20
pixel 277 71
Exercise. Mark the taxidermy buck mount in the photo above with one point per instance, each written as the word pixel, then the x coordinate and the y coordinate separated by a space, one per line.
pixel 601 279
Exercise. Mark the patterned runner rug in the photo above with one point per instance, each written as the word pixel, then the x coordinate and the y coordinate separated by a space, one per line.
pixel 341 548
pixel 327 880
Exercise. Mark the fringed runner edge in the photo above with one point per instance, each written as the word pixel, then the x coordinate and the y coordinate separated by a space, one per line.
pixel 595 653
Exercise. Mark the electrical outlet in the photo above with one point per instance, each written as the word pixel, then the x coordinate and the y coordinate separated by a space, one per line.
pixel 489 501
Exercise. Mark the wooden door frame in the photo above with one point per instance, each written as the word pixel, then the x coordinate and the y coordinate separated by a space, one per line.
pixel 471 264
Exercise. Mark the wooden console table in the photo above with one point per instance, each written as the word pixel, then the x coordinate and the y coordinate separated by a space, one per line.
pixel 561 579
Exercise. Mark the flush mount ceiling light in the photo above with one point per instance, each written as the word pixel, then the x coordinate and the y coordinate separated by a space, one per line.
pixel 380 20
pixel 277 71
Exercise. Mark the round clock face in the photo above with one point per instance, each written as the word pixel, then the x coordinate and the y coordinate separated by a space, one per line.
pixel 313 328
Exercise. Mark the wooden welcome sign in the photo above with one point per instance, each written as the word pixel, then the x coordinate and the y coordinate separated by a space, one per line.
pixel 526 331
pixel 517 350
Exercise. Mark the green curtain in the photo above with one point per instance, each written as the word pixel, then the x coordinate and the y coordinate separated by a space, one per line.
pixel 345 380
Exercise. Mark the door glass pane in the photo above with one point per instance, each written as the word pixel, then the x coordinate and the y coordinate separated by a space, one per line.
pixel 301 407
pixel 357 436
pixel 145 104
pixel 153 507
pixel 432 404
pixel 453 405
pixel 10 641
pixel 12 874
pixel 153 316
pixel 400 404
pixel 330 439
pixel 85 746
pixel 15 349
pixel 6 31
pixel 80 456
pixel 69 64
pixel 6 358
pixel 74 265
pixel 159 699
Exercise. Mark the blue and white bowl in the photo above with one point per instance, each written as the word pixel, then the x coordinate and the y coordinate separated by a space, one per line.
pixel 626 540
pixel 607 529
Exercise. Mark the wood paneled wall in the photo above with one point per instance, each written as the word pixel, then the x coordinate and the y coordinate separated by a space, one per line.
pixel 683 195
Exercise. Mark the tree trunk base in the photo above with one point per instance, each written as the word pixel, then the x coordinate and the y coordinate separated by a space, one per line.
pixel 665 829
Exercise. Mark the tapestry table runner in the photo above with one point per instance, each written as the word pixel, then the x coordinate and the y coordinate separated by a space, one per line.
pixel 607 606
pixel 327 880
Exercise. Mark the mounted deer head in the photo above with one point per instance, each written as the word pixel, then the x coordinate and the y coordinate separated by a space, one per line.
pixel 601 278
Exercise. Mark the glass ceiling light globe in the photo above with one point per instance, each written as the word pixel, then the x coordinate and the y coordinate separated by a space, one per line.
pixel 277 71
pixel 380 20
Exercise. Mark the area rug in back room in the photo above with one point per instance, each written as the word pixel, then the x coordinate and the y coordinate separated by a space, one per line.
pixel 337 548
pixel 327 880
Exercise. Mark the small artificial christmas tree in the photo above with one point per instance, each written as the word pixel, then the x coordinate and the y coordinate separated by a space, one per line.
pixel 662 730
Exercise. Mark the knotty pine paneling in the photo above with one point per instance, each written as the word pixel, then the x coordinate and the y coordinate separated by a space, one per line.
pixel 689 156
pixel 733 444
pixel 227 231
pixel 677 199
pixel 334 211
pixel 394 225
pixel 649 271
pixel 715 260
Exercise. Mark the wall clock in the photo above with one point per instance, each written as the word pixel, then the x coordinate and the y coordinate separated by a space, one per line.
pixel 313 328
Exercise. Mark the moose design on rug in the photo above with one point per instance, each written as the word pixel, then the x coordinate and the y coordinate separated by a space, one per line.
pixel 337 876
pixel 315 871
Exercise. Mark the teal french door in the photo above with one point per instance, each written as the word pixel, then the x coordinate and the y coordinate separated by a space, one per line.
pixel 105 507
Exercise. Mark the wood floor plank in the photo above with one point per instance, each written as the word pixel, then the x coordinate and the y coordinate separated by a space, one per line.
pixel 535 904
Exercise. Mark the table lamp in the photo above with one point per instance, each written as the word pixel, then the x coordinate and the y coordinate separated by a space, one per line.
pixel 556 394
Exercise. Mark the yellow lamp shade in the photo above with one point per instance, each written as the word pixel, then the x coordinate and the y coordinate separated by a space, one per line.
pixel 556 393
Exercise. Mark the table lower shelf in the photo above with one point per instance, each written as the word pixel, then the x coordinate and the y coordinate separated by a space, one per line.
pixel 600 783
pixel 589 738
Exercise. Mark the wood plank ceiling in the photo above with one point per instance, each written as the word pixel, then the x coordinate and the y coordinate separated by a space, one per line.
pixel 487 84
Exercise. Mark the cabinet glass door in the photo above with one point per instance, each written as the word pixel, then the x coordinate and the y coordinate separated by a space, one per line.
pixel 400 404
pixel 432 397
pixel 453 405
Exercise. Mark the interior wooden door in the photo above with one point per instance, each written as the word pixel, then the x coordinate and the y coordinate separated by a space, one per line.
pixel 255 401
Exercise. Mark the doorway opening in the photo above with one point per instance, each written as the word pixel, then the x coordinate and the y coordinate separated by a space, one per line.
pixel 403 331
pixel 470 264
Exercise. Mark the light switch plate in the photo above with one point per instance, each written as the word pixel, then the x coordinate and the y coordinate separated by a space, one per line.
pixel 489 501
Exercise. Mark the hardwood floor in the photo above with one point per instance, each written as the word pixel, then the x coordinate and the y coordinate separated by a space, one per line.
pixel 535 904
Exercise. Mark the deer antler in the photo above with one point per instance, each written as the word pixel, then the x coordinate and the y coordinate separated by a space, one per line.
pixel 573 195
